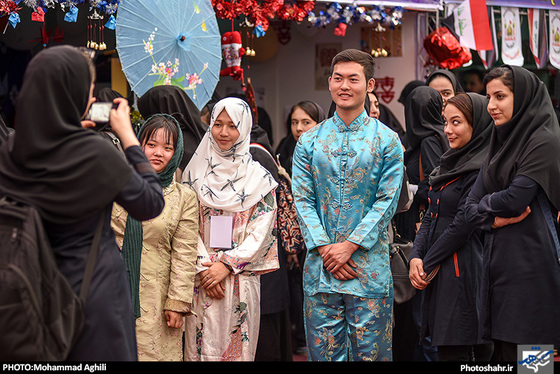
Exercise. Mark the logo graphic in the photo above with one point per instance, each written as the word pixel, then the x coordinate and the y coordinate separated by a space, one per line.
pixel 535 359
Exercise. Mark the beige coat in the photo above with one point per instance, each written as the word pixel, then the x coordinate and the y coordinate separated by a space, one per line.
pixel 167 271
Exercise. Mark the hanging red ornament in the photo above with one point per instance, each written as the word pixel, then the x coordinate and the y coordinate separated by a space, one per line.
pixel 260 13
pixel 296 11
pixel 444 49
pixel 7 7
pixel 340 30
pixel 232 51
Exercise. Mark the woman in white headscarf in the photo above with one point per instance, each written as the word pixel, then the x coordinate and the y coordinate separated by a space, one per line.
pixel 237 241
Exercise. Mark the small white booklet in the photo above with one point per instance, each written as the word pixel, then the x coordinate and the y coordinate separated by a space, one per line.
pixel 221 232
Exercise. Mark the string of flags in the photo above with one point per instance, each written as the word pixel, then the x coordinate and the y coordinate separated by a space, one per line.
pixel 474 23
pixel 69 7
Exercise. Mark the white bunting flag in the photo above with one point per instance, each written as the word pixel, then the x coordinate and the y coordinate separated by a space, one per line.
pixel 511 37
pixel 554 38
pixel 537 36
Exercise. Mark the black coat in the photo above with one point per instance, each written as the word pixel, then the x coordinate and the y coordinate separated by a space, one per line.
pixel 431 150
pixel 109 331
pixel 521 278
pixel 275 291
pixel 450 314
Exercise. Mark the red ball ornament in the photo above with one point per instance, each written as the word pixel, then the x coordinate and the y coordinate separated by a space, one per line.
pixel 445 50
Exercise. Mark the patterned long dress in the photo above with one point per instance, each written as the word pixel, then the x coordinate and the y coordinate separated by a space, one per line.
pixel 167 271
pixel 227 329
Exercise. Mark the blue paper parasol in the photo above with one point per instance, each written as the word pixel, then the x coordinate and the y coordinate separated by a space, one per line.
pixel 174 42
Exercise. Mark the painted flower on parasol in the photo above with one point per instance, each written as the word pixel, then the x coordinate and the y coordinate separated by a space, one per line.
pixel 183 48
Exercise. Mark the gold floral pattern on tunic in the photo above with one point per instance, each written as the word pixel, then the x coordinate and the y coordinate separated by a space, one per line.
pixel 167 271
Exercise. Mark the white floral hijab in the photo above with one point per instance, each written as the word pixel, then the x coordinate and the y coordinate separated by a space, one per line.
pixel 228 180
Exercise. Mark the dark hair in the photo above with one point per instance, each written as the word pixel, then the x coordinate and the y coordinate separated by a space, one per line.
pixel 504 73
pixel 355 55
pixel 308 107
pixel 463 102
pixel 155 123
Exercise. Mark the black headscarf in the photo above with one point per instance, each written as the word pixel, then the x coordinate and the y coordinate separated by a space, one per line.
pixel 173 100
pixel 408 89
pixel 422 113
pixel 456 162
pixel 52 162
pixel 449 75
pixel 529 143
pixel 106 95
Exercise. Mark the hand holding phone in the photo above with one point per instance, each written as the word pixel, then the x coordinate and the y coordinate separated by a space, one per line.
pixel 100 112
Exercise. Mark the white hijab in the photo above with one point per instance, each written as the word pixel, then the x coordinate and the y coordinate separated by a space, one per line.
pixel 228 180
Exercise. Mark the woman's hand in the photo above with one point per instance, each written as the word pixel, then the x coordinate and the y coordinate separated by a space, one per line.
pixel 121 125
pixel 174 319
pixel 501 222
pixel 216 292
pixel 417 274
pixel 211 279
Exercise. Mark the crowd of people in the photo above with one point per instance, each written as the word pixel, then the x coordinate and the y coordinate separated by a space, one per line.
pixel 217 247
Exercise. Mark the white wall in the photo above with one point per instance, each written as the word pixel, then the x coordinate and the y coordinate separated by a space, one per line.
pixel 289 76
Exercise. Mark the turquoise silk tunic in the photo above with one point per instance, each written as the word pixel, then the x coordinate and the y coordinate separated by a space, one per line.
pixel 346 185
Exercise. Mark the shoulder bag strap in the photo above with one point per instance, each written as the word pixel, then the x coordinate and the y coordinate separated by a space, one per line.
pixel 549 220
pixel 420 166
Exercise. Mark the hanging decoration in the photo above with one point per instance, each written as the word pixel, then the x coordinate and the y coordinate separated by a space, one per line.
pixel 346 16
pixel 512 53
pixel 8 7
pixel 96 28
pixel 232 51
pixel 56 35
pixel 260 13
pixel 554 38
pixel 444 49
pixel 296 11
pixel 246 28
pixel 11 8
pixel 103 6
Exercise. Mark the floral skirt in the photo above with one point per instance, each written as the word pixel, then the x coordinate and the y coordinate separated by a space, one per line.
pixel 226 329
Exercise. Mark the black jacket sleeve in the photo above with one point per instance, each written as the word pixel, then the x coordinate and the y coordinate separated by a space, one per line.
pixel 142 195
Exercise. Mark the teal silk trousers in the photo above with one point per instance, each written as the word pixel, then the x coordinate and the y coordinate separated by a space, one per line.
pixel 342 327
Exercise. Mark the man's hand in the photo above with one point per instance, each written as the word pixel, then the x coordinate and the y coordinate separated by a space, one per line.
pixel 346 271
pixel 337 255
pixel 336 259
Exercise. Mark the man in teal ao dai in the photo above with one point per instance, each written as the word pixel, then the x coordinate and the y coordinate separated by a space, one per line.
pixel 347 176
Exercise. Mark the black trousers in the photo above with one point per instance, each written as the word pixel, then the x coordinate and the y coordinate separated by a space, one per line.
pixel 479 352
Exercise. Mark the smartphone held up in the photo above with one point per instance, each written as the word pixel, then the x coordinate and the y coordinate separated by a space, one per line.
pixel 100 112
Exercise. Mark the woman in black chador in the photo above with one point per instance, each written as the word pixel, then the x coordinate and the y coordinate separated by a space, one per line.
pixel 72 176
pixel 515 200
pixel 446 244
pixel 426 143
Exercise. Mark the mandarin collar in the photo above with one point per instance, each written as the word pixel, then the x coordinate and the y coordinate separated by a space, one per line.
pixel 354 126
